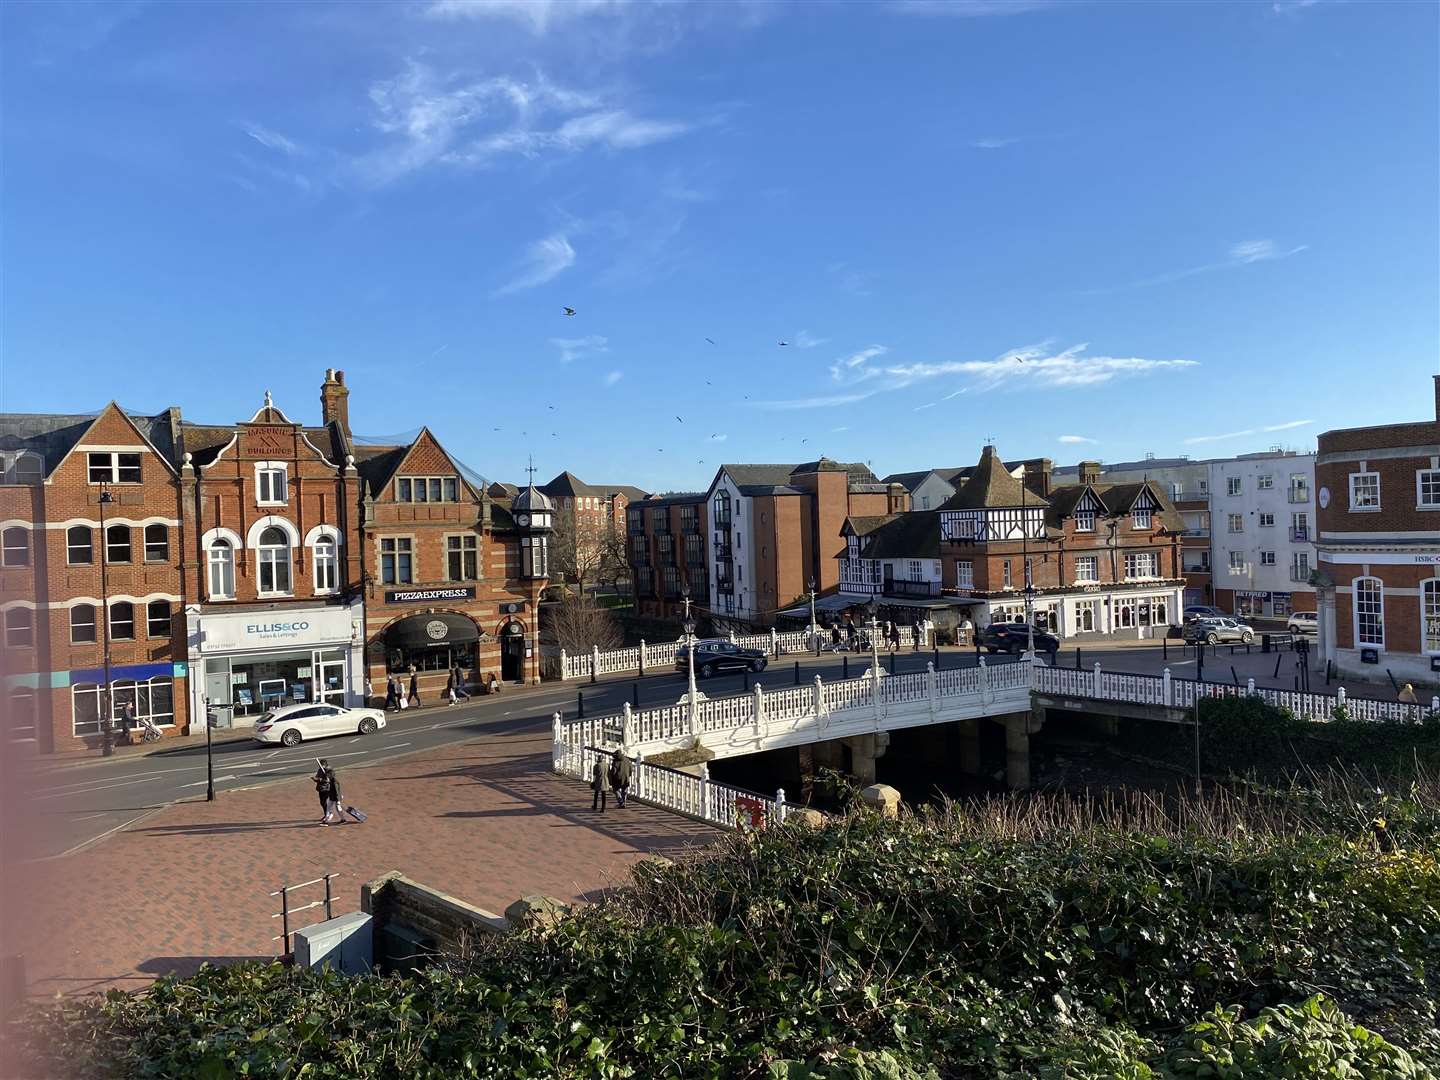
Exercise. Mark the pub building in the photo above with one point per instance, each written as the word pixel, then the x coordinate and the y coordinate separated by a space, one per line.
pixel 273 600
pixel 452 574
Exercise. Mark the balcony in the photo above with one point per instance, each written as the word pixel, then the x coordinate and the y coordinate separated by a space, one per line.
pixel 665 555
pixel 723 552
pixel 725 584
pixel 1299 536
pixel 1197 532
pixel 1300 574
pixel 690 524
pixel 722 521
pixel 916 588
pixel 1299 494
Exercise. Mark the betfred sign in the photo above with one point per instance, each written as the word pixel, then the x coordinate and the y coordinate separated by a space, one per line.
pixel 421 596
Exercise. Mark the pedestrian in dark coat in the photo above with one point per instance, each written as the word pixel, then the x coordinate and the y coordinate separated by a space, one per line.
pixel 835 636
pixel 621 769
pixel 599 785
pixel 414 689
pixel 894 636
pixel 327 786
pixel 459 677
pixel 392 693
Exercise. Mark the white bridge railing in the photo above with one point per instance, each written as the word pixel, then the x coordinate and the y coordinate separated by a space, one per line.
pixel 644 657
pixel 683 792
pixel 1163 689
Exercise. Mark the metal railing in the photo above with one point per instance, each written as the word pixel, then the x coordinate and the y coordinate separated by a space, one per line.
pixel 286 912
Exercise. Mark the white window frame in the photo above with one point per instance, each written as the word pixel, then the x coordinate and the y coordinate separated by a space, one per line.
pixel 325 565
pixel 1265 482
pixel 150 620
pixel 1235 523
pixel 1135 560
pixel 279 559
pixel 1084 563
pixel 93 624
pixel 70 546
pixel 1085 608
pixel 1267 520
pixel 20 724
pixel 146 543
pixel 964 573
pixel 15 555
pixel 1140 517
pixel 1430 478
pixel 1430 616
pixel 110 559
pixel 1267 558
pixel 112 466
pixel 1233 485
pixel 265 477
pixel 1085 521
pixel 1375 608
pixel 1365 474
pixel 1237 562
pixel 20 628
pixel 449 487
pixel 220 555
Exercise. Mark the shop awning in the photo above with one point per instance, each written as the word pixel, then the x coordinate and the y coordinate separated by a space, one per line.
pixel 441 628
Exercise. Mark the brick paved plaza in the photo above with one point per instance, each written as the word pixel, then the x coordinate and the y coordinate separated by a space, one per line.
pixel 484 821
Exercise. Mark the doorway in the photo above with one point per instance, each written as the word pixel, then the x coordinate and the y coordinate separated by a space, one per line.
pixel 330 681
pixel 512 653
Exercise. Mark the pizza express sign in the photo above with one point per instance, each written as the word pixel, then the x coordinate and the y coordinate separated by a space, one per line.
pixel 421 596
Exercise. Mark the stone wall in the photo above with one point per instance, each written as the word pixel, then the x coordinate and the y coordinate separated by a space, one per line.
pixel 413 922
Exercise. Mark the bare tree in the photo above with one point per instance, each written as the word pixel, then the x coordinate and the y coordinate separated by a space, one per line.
pixel 587 549
pixel 580 625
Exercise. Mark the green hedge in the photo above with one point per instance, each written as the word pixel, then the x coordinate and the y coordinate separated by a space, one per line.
pixel 1004 942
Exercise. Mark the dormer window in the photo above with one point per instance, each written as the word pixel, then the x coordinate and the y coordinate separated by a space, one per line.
pixel 1085 521
pixel 1140 517
pixel 21 468
pixel 271 488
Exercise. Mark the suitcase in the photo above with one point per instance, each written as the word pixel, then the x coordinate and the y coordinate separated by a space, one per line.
pixel 358 815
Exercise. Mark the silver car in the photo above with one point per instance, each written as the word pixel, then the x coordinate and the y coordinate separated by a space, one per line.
pixel 1219 632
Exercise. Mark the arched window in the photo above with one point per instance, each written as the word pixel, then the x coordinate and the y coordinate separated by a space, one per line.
pixel 117 544
pixel 122 621
pixel 157 543
pixel 82 624
pixel 19 628
pixel 79 545
pixel 722 510
pixel 326 564
pixel 221 560
pixel 1367 594
pixel 274 550
pixel 157 619
pixel 16 547
pixel 1430 616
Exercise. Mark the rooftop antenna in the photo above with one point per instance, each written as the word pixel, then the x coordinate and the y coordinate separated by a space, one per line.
pixel 530 469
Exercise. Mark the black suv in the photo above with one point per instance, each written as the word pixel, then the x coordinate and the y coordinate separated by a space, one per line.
pixel 1015 638
pixel 713 655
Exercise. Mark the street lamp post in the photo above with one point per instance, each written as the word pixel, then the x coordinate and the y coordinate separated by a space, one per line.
pixel 209 761
pixel 107 736
pixel 874 640
pixel 1025 560
pixel 692 694
pixel 814 630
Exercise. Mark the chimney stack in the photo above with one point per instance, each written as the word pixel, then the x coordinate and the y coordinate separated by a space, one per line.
pixel 1037 476
pixel 1089 472
pixel 335 400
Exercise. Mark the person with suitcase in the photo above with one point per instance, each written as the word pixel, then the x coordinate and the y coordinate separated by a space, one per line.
pixel 327 785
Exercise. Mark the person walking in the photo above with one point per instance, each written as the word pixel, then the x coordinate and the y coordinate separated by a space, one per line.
pixel 327 787
pixel 392 693
pixel 369 692
pixel 621 769
pixel 894 637
pixel 460 690
pixel 834 637
pixel 450 695
pixel 414 689
pixel 599 784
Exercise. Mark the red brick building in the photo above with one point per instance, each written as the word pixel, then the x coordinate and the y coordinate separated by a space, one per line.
pixel 86 497
pixel 1101 558
pixel 1378 507
pixel 588 517
pixel 453 575
pixel 665 545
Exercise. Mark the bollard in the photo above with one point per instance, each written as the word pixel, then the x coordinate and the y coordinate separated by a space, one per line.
pixel 745 680
pixel 844 667
pixel 1276 674
pixel 1234 675
pixel 892 663
pixel 797 672
pixel 1165 647
pixel 1077 657
pixel 642 657
pixel 937 655
pixel 1250 687
pixel 580 704
pixel 635 694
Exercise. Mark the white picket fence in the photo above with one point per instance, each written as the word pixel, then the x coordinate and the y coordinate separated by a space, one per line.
pixel 683 792
pixel 647 657
pixel 1163 689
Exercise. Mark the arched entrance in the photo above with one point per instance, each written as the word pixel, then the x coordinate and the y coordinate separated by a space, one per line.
pixel 512 652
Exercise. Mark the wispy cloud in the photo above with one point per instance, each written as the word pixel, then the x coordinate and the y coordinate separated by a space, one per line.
pixel 842 427
pixel 438 351
pixel 546 260
pixel 1076 439
pixel 849 279
pixel 955 393
pixel 273 140
pixel 854 367
pixel 927 405
pixel 1241 254
pixel 823 401
pixel 1291 7
pixel 1223 436
pixel 995 142
pixel 575 348
pixel 1033 365
pixel 613 377
pixel 972 9
pixel 803 339
pixel 537 15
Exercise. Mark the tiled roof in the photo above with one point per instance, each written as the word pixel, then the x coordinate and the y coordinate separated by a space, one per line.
pixel 915 535
pixel 909 480
pixel 779 479
pixel 54 435
pixel 991 485
pixel 674 498
pixel 568 485
pixel 377 464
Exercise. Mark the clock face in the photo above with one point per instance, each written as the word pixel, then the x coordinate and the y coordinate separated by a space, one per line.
pixel 523 520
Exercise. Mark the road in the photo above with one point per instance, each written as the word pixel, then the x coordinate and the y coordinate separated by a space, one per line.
pixel 75 803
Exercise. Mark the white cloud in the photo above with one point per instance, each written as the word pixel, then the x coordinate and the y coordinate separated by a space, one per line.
pixel 995 142
pixel 844 369
pixel 538 15
pixel 613 377
pixel 927 405
pixel 806 340
pixel 1032 366
pixel 1241 254
pixel 1286 426
pixel 1077 439
pixel 824 401
pixel 545 261
pixel 843 427
pixel 955 393
pixel 1290 7
pixel 575 348
pixel 273 140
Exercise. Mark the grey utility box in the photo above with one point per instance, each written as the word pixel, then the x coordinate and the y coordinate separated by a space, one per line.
pixel 344 943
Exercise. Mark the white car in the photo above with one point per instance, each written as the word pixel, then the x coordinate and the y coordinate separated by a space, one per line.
pixel 1303 622
pixel 291 724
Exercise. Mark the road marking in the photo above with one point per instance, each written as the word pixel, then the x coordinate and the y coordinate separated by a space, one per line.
pixel 202 783
pixel 97 788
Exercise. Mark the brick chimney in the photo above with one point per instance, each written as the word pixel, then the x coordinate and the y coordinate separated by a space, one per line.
pixel 335 400
pixel 1089 472
pixel 1037 475
pixel 897 499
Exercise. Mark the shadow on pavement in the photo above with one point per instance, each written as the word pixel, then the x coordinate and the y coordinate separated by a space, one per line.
pixel 188 965
pixel 227 827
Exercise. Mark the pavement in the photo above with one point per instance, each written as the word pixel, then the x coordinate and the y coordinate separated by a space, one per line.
pixel 485 821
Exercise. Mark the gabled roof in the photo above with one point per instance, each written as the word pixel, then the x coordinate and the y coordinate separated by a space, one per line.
pixel 204 442
pixel 501 488
pixel 908 480
pixel 780 479
pixel 991 485
pixel 54 435
pixel 1115 500
pixel 377 464
pixel 913 535
pixel 674 498
pixel 568 485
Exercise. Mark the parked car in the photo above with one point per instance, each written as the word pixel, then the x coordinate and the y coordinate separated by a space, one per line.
pixel 289 725
pixel 1218 632
pixel 1203 611
pixel 1303 622
pixel 1015 638
pixel 713 655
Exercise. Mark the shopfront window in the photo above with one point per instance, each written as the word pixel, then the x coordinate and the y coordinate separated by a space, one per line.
pixel 401 660
pixel 265 682
pixel 152 699
pixel 20 718
pixel 274 557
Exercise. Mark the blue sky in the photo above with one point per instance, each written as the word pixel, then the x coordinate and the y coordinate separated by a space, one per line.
pixel 1199 229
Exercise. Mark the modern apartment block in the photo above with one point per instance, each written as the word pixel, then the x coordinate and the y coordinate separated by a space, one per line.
pixel 776 528
pixel 1378 504
pixel 665 546
pixel 1262 536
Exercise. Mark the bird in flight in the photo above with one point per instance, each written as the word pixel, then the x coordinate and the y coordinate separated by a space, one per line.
pixel 569 311
pixel 710 340
pixel 784 343
pixel 1019 359
pixel 550 406
pixel 678 418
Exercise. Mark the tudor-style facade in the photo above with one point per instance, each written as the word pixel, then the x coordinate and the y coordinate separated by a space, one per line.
pixel 1100 559
pixel 273 567
pixel 57 615
pixel 453 575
